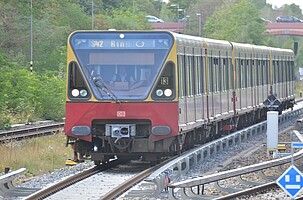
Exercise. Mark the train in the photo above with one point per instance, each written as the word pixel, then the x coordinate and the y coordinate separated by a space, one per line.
pixel 185 91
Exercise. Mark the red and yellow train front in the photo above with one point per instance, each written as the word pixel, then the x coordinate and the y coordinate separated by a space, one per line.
pixel 121 94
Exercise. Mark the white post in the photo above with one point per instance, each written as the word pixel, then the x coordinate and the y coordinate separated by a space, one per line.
pixel 272 132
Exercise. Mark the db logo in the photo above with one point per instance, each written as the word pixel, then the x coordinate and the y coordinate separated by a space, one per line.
pixel 121 113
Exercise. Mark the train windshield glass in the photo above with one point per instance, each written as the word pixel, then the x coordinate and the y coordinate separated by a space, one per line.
pixel 125 64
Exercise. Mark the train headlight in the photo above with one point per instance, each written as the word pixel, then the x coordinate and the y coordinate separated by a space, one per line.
pixel 75 92
pixel 168 92
pixel 83 93
pixel 124 131
pixel 116 131
pixel 159 92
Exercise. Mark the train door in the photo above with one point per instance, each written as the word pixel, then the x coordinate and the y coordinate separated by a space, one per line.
pixel 267 78
pixel 224 85
pixel 182 91
pixel 249 82
pixel 230 84
pixel 199 83
pixel 189 80
pixel 239 86
pixel 211 85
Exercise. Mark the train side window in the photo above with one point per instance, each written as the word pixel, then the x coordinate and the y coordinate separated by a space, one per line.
pixel 244 73
pixel 190 80
pixel 231 84
pixel 203 74
pixel 267 72
pixel 251 74
pixel 248 73
pixel 228 69
pixel 257 72
pixel 284 71
pixel 224 75
pixel 216 74
pixel 197 75
pixel 220 75
pixel 181 75
pixel 239 75
pixel 261 70
pixel 210 75
pixel 187 77
pixel 276 70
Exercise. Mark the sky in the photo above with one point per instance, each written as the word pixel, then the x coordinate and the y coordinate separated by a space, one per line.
pixel 279 3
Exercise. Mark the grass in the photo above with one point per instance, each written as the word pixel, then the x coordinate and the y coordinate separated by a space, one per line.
pixel 38 155
pixel 299 89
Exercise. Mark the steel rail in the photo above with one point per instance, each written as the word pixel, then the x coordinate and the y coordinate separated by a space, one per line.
pixel 133 181
pixel 31 131
pixel 48 191
pixel 234 173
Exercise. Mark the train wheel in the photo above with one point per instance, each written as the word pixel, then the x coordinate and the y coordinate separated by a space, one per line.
pixel 97 162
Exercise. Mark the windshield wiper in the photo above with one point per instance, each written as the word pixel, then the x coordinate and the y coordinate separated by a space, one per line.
pixel 98 81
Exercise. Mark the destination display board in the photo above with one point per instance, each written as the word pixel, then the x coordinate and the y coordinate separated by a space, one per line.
pixel 122 41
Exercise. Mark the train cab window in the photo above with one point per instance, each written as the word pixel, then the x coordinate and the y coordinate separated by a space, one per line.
pixel 77 88
pixel 165 87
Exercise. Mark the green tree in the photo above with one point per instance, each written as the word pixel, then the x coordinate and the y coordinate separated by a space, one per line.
pixel 238 22
pixel 124 20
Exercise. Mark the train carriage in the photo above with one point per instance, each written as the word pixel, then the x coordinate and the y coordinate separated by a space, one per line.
pixel 184 90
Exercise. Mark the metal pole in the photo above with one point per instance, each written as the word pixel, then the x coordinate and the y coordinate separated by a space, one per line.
pixel 199 14
pixel 292 155
pixel 92 14
pixel 31 37
pixel 200 25
pixel 133 24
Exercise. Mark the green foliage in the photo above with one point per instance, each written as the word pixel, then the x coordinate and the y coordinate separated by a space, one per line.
pixel 238 22
pixel 293 10
pixel 30 96
pixel 123 19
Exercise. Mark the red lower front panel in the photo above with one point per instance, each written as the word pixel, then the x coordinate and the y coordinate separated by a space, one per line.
pixel 82 114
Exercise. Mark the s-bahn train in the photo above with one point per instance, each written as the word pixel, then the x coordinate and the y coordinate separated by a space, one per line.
pixel 176 91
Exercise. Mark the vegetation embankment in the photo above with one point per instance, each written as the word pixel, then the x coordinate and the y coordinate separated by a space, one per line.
pixel 38 155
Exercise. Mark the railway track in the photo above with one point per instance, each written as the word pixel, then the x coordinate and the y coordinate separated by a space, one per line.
pixel 241 183
pixel 157 179
pixel 30 131
pixel 50 192
pixel 178 167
